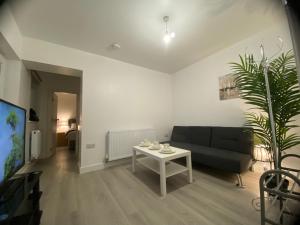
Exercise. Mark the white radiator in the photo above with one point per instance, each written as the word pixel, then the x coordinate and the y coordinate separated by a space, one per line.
pixel 120 142
pixel 35 144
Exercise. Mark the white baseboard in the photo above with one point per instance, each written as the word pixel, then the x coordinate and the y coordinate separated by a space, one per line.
pixel 90 168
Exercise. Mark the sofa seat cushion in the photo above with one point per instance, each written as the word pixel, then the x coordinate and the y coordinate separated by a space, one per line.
pixel 221 159
pixel 182 145
pixel 217 158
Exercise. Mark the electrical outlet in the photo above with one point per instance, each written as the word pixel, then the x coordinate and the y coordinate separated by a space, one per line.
pixel 90 146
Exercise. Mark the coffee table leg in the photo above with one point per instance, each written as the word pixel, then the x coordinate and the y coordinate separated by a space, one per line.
pixel 133 160
pixel 163 182
pixel 189 166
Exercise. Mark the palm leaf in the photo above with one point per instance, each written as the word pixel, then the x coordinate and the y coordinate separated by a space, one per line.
pixel 285 95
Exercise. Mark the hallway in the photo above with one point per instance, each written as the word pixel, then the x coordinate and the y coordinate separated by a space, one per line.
pixel 59 172
pixel 62 162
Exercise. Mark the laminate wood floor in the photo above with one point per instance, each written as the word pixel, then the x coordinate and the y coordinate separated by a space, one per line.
pixel 116 196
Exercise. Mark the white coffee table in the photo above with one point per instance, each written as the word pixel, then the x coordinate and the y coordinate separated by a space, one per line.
pixel 162 164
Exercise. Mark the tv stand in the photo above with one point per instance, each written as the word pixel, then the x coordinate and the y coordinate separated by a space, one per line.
pixel 19 203
pixel 10 188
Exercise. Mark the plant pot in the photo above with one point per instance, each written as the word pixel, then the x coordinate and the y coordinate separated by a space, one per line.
pixel 273 183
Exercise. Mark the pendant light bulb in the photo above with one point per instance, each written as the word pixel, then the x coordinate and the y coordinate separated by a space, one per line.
pixel 168 35
pixel 167 38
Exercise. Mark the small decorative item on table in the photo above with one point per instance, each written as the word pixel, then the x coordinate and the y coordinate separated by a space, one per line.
pixel 167 149
pixel 155 146
pixel 145 143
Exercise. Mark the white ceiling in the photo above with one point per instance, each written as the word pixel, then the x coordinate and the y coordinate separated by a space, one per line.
pixel 202 26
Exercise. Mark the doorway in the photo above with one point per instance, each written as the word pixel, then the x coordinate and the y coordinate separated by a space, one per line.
pixel 66 132
pixel 56 100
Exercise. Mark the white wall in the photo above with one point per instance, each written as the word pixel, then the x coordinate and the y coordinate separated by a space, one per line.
pixel 2 69
pixel 66 109
pixel 114 95
pixel 196 88
pixel 12 80
pixel 16 82
pixel 10 31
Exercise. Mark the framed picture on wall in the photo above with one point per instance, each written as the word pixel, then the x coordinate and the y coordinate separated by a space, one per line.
pixel 228 88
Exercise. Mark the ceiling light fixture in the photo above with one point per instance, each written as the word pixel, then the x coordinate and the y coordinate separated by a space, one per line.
pixel 168 35
pixel 115 46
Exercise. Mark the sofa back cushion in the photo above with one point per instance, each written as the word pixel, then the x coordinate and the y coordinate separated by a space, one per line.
pixel 200 135
pixel 181 134
pixel 237 139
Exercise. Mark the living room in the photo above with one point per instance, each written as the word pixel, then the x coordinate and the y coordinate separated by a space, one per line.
pixel 142 65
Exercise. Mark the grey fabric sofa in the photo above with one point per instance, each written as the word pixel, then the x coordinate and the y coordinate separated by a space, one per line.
pixel 225 148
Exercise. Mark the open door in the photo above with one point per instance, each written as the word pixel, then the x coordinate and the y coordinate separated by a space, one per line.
pixel 52 106
pixel 54 121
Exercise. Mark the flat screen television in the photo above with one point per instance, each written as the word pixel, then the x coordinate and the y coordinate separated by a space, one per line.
pixel 12 140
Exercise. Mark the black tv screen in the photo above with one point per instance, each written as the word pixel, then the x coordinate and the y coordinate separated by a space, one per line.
pixel 12 139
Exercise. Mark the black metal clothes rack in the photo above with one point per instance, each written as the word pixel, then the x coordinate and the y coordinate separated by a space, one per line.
pixel 281 186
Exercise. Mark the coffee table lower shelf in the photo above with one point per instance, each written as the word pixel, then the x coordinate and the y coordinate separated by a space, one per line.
pixel 172 168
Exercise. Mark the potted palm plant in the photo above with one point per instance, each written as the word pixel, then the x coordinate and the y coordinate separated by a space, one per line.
pixel 285 99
